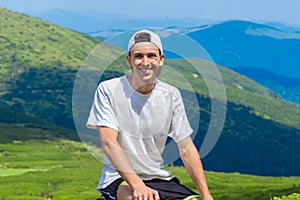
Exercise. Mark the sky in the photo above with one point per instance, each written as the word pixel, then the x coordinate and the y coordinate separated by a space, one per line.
pixel 287 12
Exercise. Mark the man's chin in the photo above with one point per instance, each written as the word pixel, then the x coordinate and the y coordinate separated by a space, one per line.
pixel 149 79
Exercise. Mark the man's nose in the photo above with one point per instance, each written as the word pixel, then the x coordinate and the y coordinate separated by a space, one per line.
pixel 145 60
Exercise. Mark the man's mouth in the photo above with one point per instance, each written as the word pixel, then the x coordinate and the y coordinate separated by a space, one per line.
pixel 146 69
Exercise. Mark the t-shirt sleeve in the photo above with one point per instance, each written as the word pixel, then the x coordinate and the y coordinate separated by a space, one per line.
pixel 102 112
pixel 180 127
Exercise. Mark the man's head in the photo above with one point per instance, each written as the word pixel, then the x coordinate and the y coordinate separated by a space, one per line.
pixel 145 36
pixel 145 57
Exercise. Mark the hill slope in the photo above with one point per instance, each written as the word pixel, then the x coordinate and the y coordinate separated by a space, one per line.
pixel 16 125
pixel 288 88
pixel 260 132
pixel 38 66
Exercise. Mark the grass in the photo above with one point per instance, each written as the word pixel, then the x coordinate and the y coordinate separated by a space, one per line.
pixel 63 169
pixel 16 171
pixel 60 169
pixel 241 186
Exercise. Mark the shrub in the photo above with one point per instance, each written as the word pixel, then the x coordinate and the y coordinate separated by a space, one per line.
pixel 294 196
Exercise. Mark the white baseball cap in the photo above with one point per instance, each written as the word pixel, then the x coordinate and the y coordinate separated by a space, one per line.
pixel 148 37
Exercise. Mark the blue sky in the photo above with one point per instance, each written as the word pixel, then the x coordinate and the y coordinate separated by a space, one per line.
pixel 287 11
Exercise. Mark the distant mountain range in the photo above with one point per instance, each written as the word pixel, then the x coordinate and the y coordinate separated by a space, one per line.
pixel 240 43
pixel 90 22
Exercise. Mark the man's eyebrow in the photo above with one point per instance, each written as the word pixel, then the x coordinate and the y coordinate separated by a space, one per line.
pixel 150 53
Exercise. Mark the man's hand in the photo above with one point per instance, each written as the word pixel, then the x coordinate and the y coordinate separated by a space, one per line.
pixel 145 193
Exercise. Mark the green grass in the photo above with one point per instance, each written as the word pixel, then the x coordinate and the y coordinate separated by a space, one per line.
pixel 59 168
pixel 63 169
pixel 14 171
pixel 238 186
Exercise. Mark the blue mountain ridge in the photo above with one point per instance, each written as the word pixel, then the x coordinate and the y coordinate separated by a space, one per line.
pixel 242 43
pixel 91 22
pixel 275 52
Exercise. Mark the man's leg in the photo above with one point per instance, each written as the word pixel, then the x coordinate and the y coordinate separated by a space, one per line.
pixel 172 189
pixel 124 193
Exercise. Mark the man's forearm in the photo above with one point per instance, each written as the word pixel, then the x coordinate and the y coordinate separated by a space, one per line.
pixel 119 160
pixel 193 165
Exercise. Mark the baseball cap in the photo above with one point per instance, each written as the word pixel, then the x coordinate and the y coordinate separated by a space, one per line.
pixel 145 36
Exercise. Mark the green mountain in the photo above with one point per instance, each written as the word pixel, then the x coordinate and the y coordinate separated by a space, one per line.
pixel 16 125
pixel 38 66
pixel 260 133
pixel 287 87
pixel 40 62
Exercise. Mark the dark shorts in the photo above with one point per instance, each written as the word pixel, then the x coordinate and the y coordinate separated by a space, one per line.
pixel 168 190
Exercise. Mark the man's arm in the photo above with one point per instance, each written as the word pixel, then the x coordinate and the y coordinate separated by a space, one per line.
pixel 193 164
pixel 118 159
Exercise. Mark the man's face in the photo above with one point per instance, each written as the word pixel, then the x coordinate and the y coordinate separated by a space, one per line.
pixel 145 62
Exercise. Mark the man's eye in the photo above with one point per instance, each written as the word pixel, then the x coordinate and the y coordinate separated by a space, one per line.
pixel 138 56
pixel 152 56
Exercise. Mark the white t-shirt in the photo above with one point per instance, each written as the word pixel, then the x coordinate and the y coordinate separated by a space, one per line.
pixel 144 122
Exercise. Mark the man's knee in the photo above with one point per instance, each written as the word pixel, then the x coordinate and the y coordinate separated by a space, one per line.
pixel 124 193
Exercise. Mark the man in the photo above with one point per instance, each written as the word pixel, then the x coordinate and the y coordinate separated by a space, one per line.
pixel 135 115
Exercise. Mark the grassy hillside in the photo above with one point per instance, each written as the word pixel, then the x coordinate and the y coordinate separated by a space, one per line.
pixel 31 42
pixel 287 87
pixel 261 131
pixel 243 91
pixel 38 65
pixel 17 125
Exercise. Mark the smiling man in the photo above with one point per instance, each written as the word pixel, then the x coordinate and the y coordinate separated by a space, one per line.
pixel 135 115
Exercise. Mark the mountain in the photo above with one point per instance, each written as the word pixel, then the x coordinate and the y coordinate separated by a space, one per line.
pixel 91 22
pixel 80 21
pixel 19 126
pixel 241 43
pixel 42 64
pixel 287 87
pixel 234 44
pixel 283 27
pixel 73 21
pixel 39 61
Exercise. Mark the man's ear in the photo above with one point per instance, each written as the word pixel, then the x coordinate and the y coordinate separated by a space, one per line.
pixel 128 60
pixel 162 59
